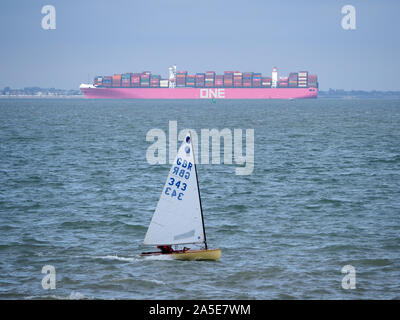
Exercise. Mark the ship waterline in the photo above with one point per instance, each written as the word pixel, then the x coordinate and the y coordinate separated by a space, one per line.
pixel 93 92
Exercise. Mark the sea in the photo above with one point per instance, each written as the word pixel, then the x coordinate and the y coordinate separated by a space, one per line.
pixel 317 218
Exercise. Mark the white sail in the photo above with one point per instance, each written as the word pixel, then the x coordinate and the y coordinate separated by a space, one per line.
pixel 178 217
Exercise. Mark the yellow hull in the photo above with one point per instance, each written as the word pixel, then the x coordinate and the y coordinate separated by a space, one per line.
pixel 209 254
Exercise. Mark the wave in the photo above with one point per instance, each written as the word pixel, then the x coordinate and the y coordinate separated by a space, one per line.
pixel 155 281
pixel 115 257
pixel 158 257
pixel 72 296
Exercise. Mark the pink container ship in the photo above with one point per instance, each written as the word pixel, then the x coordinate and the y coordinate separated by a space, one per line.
pixel 208 85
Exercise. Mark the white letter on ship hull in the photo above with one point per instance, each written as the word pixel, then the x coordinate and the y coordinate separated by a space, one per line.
pixel 203 93
pixel 212 93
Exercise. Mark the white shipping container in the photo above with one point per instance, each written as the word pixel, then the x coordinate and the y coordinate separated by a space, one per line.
pixel 163 83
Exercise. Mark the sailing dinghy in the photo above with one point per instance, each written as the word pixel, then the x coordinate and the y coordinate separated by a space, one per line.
pixel 178 218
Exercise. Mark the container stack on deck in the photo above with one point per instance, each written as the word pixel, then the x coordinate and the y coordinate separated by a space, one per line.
pixel 116 80
pixel 230 79
pixel 181 78
pixel 247 79
pixel 266 82
pixel 145 79
pixel 135 80
pixel 98 81
pixel 293 80
pixel 302 79
pixel 219 81
pixel 126 80
pixel 164 83
pixel 237 79
pixel 210 77
pixel 200 80
pixel 257 80
pixel 283 82
pixel 312 81
pixel 155 81
pixel 107 81
pixel 191 81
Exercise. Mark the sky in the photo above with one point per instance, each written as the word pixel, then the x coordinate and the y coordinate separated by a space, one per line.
pixel 103 37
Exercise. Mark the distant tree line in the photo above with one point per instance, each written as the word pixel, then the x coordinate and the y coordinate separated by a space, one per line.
pixel 357 94
pixel 37 91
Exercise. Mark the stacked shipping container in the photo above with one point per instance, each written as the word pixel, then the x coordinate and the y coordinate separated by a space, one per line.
pixel 283 82
pixel 135 80
pixel 155 81
pixel 126 80
pixel 266 82
pixel 181 78
pixel 107 81
pixel 312 81
pixel 237 79
pixel 229 79
pixel 145 79
pixel 210 77
pixel 164 83
pixel 98 81
pixel 247 79
pixel 302 79
pixel 116 80
pixel 200 80
pixel 293 80
pixel 191 81
pixel 219 81
pixel 257 80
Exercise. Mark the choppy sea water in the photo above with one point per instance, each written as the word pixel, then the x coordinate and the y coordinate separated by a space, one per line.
pixel 77 193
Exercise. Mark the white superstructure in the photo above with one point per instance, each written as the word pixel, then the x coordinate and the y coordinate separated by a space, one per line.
pixel 274 83
pixel 172 76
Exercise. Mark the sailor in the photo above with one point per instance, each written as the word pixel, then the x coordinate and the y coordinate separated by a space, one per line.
pixel 165 249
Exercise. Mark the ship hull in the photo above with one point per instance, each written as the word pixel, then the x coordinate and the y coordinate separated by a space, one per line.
pixel 199 93
pixel 190 255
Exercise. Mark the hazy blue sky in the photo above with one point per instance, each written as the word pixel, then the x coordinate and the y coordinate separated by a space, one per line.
pixel 105 37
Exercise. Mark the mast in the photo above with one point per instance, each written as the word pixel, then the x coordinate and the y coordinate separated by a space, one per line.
pixel 198 189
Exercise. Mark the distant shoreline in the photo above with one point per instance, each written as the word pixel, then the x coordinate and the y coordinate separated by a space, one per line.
pixel 42 97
